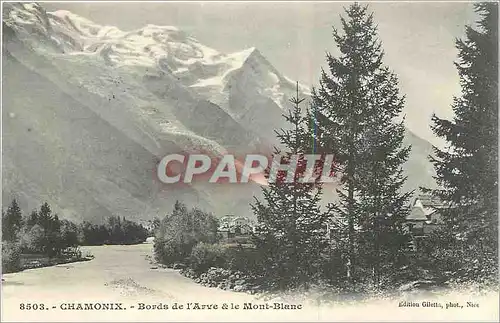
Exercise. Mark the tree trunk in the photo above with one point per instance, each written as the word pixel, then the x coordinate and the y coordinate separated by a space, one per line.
pixel 351 264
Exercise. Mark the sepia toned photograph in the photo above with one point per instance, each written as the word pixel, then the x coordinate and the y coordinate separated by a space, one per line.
pixel 249 161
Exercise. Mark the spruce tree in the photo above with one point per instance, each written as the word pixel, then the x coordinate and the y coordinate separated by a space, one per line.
pixel 291 228
pixel 467 169
pixel 12 221
pixel 356 107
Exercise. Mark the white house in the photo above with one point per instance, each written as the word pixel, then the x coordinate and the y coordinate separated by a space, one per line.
pixel 231 225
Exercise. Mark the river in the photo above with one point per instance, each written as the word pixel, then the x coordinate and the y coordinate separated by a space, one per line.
pixel 123 274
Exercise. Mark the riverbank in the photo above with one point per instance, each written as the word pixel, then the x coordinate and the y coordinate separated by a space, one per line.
pixel 221 278
pixel 32 261
pixel 326 295
pixel 122 274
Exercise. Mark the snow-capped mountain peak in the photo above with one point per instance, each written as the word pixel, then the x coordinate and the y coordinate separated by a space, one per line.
pixel 165 49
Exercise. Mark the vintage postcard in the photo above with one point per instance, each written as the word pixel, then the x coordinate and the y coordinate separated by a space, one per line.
pixel 215 161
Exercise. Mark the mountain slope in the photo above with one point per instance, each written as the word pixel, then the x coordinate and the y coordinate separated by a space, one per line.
pixel 89 110
pixel 57 149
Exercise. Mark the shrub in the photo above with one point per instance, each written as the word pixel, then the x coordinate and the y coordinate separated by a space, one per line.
pixel 245 259
pixel 11 257
pixel 444 257
pixel 169 252
pixel 206 255
pixel 180 231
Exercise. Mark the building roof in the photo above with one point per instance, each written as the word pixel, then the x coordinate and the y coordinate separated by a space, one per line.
pixel 424 206
pixel 429 201
pixel 417 213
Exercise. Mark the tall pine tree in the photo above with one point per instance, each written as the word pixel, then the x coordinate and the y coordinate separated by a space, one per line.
pixel 467 169
pixel 291 228
pixel 356 107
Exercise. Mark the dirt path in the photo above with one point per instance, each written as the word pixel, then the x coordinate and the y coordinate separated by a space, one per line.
pixel 123 274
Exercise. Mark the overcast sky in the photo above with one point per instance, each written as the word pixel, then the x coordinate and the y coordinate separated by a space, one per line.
pixel 418 39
